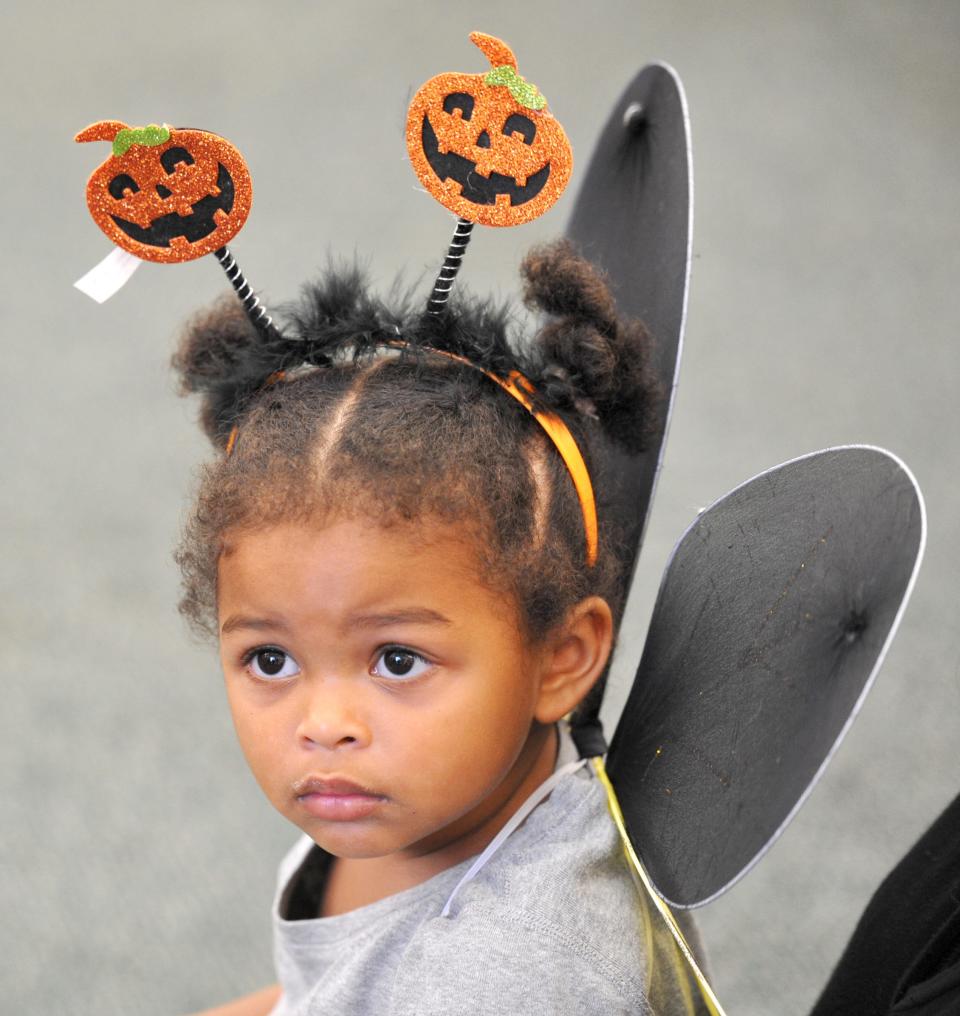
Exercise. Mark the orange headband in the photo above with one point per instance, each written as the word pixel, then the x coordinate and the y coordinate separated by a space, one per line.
pixel 558 432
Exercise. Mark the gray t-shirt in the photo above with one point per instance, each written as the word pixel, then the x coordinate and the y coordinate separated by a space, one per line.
pixel 552 924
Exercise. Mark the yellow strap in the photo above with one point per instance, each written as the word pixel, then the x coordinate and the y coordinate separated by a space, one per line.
pixel 614 805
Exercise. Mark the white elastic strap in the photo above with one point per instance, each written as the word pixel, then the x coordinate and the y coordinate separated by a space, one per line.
pixel 515 820
pixel 110 275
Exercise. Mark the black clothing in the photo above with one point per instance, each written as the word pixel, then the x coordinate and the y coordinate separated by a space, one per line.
pixel 904 956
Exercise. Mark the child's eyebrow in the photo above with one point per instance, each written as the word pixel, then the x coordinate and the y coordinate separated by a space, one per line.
pixel 418 615
pixel 236 621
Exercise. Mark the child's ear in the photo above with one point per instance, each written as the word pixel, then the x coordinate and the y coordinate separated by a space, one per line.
pixel 576 653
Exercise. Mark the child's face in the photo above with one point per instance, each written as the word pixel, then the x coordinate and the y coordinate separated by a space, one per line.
pixel 383 696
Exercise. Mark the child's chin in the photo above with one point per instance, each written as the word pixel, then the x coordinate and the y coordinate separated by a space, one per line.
pixel 354 844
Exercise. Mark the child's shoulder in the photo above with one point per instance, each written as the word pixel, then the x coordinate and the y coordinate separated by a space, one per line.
pixel 551 924
pixel 564 860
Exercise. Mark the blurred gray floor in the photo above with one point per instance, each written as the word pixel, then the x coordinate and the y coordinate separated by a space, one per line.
pixel 137 856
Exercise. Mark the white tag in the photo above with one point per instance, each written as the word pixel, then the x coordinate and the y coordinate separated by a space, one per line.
pixel 110 275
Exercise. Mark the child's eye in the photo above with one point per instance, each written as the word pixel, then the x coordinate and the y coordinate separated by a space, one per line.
pixel 399 664
pixel 270 662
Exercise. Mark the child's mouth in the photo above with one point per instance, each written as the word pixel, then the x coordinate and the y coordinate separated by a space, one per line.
pixel 336 800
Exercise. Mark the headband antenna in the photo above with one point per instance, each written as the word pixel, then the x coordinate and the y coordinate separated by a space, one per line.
pixel 168 194
pixel 486 147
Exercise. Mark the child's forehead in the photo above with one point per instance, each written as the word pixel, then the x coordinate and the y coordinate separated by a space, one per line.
pixel 354 569
pixel 335 530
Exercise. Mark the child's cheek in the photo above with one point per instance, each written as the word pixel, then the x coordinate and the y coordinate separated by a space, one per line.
pixel 266 733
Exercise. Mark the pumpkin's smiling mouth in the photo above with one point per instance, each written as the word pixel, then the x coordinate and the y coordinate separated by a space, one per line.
pixel 480 190
pixel 195 226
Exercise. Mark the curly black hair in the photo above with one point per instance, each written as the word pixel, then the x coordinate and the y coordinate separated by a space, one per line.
pixel 357 424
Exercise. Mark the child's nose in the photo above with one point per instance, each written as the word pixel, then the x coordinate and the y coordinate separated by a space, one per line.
pixel 332 717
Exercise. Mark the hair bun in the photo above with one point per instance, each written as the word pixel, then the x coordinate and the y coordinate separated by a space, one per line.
pixel 592 360
pixel 224 358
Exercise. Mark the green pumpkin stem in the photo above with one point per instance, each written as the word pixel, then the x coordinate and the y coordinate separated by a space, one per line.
pixel 524 93
pixel 150 136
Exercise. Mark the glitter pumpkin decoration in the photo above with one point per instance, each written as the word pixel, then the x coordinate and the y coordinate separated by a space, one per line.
pixel 484 145
pixel 167 194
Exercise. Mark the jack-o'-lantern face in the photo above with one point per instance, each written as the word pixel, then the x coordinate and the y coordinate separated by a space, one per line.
pixel 167 194
pixel 485 146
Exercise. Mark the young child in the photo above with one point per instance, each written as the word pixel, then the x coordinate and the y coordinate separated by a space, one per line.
pixel 396 560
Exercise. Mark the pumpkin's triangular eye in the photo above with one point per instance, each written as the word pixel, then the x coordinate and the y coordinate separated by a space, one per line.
pixel 459 101
pixel 121 185
pixel 173 157
pixel 517 123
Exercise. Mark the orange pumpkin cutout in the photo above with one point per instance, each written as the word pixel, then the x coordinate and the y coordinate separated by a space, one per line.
pixel 167 194
pixel 485 146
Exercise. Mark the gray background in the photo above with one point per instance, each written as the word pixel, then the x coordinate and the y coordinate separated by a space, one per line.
pixel 137 854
